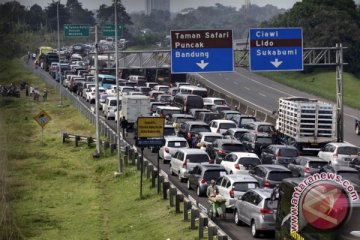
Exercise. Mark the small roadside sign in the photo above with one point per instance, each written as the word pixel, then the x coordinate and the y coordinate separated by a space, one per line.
pixel 76 30
pixel 108 30
pixel 150 127
pixel 42 118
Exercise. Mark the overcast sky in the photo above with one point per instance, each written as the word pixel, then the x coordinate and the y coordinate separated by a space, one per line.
pixel 175 5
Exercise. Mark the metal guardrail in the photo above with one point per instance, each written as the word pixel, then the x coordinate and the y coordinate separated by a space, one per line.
pixel 197 212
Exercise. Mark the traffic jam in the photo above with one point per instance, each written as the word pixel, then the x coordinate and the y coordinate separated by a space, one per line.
pixel 289 179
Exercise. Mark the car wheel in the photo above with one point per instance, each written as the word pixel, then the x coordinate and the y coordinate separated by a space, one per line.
pixel 198 192
pixel 171 171
pixel 188 185
pixel 236 218
pixel 180 178
pixel 254 231
pixel 357 130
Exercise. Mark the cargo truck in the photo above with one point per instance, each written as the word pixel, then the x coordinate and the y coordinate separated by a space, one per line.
pixel 306 123
pixel 134 106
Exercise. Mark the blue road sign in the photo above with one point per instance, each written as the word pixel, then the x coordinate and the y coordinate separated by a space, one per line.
pixel 201 51
pixel 276 49
pixel 150 142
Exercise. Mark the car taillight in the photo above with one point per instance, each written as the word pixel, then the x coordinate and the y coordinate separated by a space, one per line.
pixel 221 151
pixel 266 211
pixel 335 155
pixel 202 181
pixel 184 164
pixel 307 170
pixel 237 166
pixel 166 150
pixel 266 184
pixel 277 155
pixel 232 193
pixel 189 136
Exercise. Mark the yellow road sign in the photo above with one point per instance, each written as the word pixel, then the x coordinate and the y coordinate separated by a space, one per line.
pixel 42 118
pixel 150 127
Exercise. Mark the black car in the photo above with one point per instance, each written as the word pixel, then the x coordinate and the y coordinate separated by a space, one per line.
pixel 255 142
pixel 208 116
pixel 305 166
pixel 190 129
pixel 270 175
pixel 242 119
pixel 221 147
pixel 279 154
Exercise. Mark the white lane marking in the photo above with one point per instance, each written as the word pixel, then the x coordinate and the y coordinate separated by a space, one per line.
pixel 261 94
pixel 247 88
pixel 280 91
pixel 236 83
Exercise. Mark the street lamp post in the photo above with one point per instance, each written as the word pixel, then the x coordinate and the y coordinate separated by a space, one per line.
pixel 58 50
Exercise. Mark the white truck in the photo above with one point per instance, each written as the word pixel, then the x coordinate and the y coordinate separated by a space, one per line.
pixel 306 123
pixel 134 106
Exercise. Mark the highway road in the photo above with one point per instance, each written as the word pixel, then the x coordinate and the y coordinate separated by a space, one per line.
pixel 227 225
pixel 265 93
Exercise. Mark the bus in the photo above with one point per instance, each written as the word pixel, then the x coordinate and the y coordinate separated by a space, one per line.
pixel 106 80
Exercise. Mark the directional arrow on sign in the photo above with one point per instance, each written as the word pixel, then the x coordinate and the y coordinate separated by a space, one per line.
pixel 276 63
pixel 202 64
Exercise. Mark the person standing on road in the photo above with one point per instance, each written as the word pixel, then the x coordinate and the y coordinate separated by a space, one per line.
pixel 212 189
pixel 124 125
pixel 45 95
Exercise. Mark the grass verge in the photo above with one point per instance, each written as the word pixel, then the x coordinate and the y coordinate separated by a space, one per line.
pixel 57 191
pixel 320 83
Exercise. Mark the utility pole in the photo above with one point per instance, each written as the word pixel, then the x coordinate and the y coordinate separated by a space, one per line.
pixel 339 92
pixel 58 47
pixel 97 94
pixel 120 164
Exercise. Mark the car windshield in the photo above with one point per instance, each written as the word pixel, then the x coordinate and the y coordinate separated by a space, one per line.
pixel 231 115
pixel 244 186
pixel 265 128
pixel 200 128
pixel 222 108
pixel 169 131
pixel 181 119
pixel 238 135
pixel 351 176
pixel 213 174
pixel 219 102
pixel 279 176
pixel 233 147
pixel 286 152
pixel 113 103
pixel 348 150
pixel 271 204
pixel 211 138
pixel 267 140
pixel 227 125
pixel 246 161
pixel 165 98
pixel 177 144
pixel 197 158
pixel 200 93
pixel 212 116
pixel 170 111
pixel 317 164
pixel 246 120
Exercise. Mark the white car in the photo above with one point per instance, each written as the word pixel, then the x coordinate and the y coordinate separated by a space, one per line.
pixel 90 95
pixel 221 125
pixel 207 138
pixel 233 186
pixel 110 106
pixel 339 153
pixel 240 162
pixel 172 144
pixel 214 100
pixel 185 159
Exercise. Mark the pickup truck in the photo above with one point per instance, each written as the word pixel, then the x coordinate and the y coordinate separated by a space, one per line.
pixel 305 166
pixel 357 125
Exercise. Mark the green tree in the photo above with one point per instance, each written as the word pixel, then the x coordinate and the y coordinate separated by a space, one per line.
pixel 51 16
pixel 35 17
pixel 78 15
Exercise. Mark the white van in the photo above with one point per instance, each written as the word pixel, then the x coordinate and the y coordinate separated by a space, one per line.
pixel 139 80
pixel 110 106
pixel 202 92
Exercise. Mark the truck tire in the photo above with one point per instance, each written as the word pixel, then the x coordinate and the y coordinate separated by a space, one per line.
pixel 357 129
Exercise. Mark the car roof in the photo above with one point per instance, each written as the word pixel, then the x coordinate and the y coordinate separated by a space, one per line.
pixel 168 107
pixel 313 158
pixel 210 134
pixel 240 178
pixel 263 192
pixel 262 123
pixel 182 115
pixel 343 168
pixel 342 144
pixel 196 122
pixel 273 167
pixel 192 151
pixel 206 165
pixel 224 140
pixel 231 111
pixel 239 129
pixel 174 138
pixel 282 146
pixel 245 154
pixel 222 121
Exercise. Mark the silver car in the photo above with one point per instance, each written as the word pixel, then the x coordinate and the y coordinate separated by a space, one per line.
pixel 256 209
pixel 172 144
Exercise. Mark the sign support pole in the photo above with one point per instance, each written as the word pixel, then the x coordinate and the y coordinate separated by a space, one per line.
pixel 141 171
pixel 97 94
pixel 158 171
pixel 42 136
